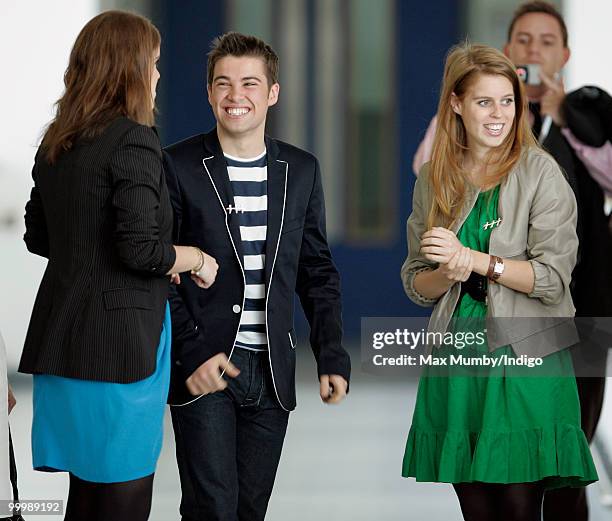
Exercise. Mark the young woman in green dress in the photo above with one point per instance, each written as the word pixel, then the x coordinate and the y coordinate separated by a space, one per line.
pixel 492 234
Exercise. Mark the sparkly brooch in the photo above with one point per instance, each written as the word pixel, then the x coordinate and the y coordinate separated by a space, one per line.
pixel 492 224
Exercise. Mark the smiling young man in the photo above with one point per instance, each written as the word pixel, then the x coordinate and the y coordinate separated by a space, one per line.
pixel 256 205
pixel 571 127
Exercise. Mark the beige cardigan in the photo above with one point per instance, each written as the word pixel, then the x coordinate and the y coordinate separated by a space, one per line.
pixel 538 211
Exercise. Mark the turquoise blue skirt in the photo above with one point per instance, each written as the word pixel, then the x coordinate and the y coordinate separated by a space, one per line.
pixel 100 431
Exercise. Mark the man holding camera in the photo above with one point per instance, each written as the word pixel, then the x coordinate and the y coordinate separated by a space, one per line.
pixel 566 125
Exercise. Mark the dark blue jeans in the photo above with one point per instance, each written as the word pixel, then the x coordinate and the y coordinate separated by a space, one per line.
pixel 228 445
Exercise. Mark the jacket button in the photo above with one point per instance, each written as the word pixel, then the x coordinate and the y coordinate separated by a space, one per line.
pixel 236 308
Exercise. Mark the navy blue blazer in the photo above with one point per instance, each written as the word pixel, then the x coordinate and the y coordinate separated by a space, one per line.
pixel 205 321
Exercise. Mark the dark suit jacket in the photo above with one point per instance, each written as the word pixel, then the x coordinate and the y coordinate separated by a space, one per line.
pixel 102 216
pixel 298 259
pixel 592 277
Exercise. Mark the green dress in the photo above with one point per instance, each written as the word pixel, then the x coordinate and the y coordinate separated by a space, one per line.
pixel 497 428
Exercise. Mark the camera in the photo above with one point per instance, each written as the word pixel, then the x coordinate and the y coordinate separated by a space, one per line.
pixel 529 73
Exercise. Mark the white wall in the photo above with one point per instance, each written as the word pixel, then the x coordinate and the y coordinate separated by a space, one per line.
pixel 35 37
pixel 590 40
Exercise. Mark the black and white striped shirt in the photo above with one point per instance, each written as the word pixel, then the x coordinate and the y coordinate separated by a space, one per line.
pixel 249 179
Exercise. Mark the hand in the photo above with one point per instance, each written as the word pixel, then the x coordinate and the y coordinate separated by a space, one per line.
pixel 207 274
pixel 460 266
pixel 175 278
pixel 11 399
pixel 552 100
pixel 439 245
pixel 332 388
pixel 208 378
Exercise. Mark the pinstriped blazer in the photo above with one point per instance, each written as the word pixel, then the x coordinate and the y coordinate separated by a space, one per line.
pixel 102 216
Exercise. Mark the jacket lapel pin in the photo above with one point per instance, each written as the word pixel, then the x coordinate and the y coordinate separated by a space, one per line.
pixel 492 224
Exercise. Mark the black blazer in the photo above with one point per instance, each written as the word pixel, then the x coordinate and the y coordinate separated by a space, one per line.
pixel 592 276
pixel 298 259
pixel 102 217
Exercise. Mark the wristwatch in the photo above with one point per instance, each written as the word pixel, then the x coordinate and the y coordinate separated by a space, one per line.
pixel 496 268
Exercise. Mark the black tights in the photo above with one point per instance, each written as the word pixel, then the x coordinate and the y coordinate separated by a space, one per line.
pixel 126 501
pixel 498 502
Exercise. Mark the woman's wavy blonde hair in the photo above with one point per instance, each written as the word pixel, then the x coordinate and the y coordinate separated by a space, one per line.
pixel 448 179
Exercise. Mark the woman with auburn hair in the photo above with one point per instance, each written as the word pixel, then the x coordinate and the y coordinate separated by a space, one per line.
pixel 98 343
pixel 492 234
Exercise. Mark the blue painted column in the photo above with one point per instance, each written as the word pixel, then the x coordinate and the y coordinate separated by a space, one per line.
pixel 187 28
pixel 371 284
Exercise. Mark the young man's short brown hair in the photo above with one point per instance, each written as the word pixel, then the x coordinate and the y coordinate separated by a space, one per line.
pixel 539 6
pixel 236 44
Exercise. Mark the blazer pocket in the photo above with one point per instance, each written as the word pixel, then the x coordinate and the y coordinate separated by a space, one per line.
pixel 122 298
pixel 294 224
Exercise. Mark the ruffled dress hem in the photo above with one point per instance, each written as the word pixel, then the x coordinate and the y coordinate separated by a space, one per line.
pixel 559 456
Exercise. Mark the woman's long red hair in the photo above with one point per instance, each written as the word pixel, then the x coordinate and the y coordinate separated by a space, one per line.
pixel 448 179
pixel 108 75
